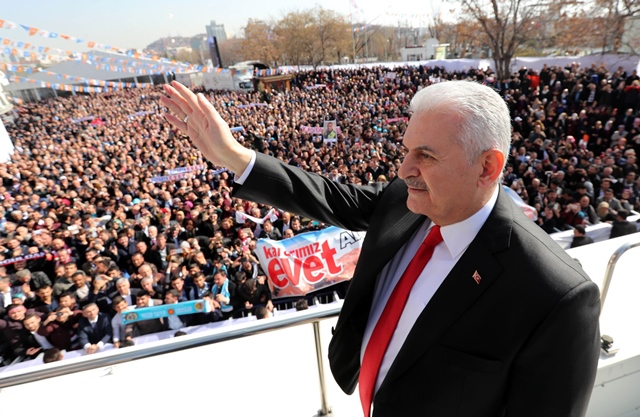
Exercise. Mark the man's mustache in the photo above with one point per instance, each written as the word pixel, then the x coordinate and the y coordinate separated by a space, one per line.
pixel 415 182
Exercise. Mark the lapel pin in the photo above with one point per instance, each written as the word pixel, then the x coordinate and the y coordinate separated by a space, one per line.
pixel 476 277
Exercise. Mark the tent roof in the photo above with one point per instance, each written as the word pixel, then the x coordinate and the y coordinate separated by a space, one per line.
pixel 94 68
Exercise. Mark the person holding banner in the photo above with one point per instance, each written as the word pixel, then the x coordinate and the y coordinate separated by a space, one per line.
pixel 459 304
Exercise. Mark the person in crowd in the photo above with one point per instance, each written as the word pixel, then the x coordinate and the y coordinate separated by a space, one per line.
pixel 253 293
pixel 262 313
pixel 144 327
pixel 185 293
pixel 224 293
pixel 302 304
pixel 120 330
pixel 174 322
pixel 580 237
pixel 62 332
pixel 33 339
pixel 44 301
pixel 10 329
pixel 52 355
pixel 621 226
pixel 94 329
pixel 125 291
pixel 155 291
pixel 270 232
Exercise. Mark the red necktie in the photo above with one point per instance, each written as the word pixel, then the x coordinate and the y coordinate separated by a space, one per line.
pixel 388 321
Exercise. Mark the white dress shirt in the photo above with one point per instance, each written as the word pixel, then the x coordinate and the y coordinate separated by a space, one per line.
pixel 42 341
pixel 100 344
pixel 243 177
pixel 116 325
pixel 6 297
pixel 456 239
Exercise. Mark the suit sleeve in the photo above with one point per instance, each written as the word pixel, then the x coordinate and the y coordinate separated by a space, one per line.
pixel 275 183
pixel 115 329
pixel 108 331
pixel 558 382
pixel 83 335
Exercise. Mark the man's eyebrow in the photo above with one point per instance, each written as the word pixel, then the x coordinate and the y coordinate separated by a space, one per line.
pixel 422 148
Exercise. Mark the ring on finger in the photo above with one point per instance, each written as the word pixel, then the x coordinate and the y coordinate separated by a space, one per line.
pixel 185 119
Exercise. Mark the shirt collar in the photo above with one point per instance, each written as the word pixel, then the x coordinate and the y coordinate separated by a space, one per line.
pixel 458 236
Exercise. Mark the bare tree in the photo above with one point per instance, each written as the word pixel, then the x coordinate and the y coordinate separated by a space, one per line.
pixel 616 14
pixel 505 25
pixel 259 42
pixel 315 36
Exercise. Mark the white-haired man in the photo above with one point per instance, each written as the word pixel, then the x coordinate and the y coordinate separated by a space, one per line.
pixel 459 304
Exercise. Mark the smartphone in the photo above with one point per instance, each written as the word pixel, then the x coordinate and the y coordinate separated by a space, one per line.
pixel 179 250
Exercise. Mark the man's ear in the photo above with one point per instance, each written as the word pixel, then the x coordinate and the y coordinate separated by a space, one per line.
pixel 492 162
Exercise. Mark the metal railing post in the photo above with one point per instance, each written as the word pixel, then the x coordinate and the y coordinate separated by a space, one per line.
pixel 325 410
pixel 608 275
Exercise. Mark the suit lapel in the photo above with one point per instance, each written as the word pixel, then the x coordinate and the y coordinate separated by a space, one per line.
pixel 396 225
pixel 459 290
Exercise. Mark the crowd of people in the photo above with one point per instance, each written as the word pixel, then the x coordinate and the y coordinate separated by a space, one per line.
pixel 85 233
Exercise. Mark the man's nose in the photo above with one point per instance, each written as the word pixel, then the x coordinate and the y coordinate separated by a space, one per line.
pixel 407 168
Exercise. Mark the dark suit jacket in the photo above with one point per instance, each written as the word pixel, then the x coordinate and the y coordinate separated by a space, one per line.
pixel 27 341
pixel 581 241
pixel 101 333
pixel 622 228
pixel 148 326
pixel 153 257
pixel 523 342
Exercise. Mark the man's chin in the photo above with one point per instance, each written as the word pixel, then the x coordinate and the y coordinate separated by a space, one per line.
pixel 415 205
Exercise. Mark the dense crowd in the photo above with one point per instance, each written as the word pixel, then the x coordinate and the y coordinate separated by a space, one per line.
pixel 85 234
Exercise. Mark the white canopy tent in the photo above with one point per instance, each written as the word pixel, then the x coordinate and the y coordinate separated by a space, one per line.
pixel 6 146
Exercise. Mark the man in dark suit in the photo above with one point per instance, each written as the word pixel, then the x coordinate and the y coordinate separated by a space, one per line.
pixel 621 226
pixel 150 255
pixel 283 223
pixel 94 329
pixel 32 338
pixel 499 318
pixel 580 237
